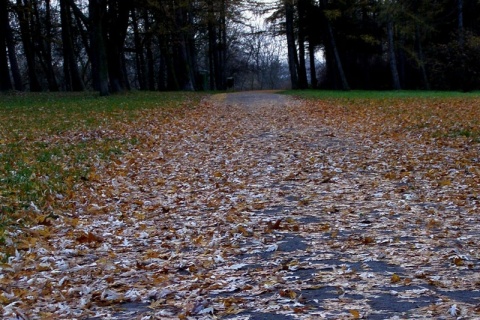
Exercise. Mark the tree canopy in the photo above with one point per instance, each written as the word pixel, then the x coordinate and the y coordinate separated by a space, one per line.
pixel 114 46
pixel 389 44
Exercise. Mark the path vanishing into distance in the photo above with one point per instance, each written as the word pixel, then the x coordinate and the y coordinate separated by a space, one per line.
pixel 256 206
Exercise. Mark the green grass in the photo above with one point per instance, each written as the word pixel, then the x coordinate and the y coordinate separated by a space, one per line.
pixel 369 94
pixel 437 114
pixel 49 141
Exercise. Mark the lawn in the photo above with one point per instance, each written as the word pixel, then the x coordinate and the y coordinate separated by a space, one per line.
pixel 432 114
pixel 49 143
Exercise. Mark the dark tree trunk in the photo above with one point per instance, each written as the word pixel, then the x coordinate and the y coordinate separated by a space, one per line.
pixel 313 71
pixel 83 24
pixel 212 46
pixel 292 50
pixel 72 79
pixel 150 65
pixel 421 58
pixel 5 81
pixel 12 57
pixel 162 73
pixel 118 15
pixel 302 70
pixel 212 53
pixel 170 65
pixel 461 31
pixel 97 13
pixel 338 61
pixel 24 17
pixel 332 51
pixel 222 50
pixel 217 43
pixel 191 47
pixel 48 46
pixel 392 56
pixel 184 67
pixel 465 75
pixel 139 56
pixel 43 43
pixel 148 43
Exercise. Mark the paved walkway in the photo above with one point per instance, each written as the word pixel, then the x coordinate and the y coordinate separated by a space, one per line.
pixel 253 207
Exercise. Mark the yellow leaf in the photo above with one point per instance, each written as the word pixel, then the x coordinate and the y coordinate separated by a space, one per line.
pixel 444 183
pixel 395 278
pixel 292 294
pixel 355 314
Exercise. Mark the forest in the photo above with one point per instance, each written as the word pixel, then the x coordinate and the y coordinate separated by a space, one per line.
pixel 114 46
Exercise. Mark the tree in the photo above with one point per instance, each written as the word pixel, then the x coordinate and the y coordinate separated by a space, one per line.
pixel 98 43
pixel 42 35
pixel 113 45
pixel 72 79
pixel 115 31
pixel 389 11
pixel 5 81
pixel 217 44
pixel 24 12
pixel 332 52
pixel 302 70
pixel 292 50
pixel 12 52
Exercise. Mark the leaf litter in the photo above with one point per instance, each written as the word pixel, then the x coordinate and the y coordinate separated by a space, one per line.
pixel 275 207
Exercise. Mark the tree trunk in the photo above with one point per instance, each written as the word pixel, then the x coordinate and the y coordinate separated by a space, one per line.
pixel 72 79
pixel 97 13
pixel 83 24
pixel 5 81
pixel 221 51
pixel 184 64
pixel 313 71
pixel 149 52
pixel 24 18
pixel 139 56
pixel 12 56
pixel 292 50
pixel 392 56
pixel 302 70
pixel 421 58
pixel 332 50
pixel 44 46
pixel 465 78
pixel 212 46
pixel 461 31
pixel 338 61
pixel 118 15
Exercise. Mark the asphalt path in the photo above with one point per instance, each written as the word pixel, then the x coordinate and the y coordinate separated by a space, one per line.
pixel 317 264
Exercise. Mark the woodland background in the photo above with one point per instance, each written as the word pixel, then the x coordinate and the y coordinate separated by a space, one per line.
pixel 114 46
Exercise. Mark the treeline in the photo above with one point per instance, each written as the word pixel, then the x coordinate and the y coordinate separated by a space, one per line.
pixel 389 44
pixel 114 45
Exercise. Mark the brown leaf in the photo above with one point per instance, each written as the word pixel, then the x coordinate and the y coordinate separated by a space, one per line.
pixel 88 238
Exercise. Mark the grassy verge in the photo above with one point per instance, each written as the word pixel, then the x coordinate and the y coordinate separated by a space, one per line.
pixel 49 142
pixel 366 94
pixel 432 114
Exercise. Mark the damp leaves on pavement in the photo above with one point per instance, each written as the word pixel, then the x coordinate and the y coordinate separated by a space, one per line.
pixel 298 208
